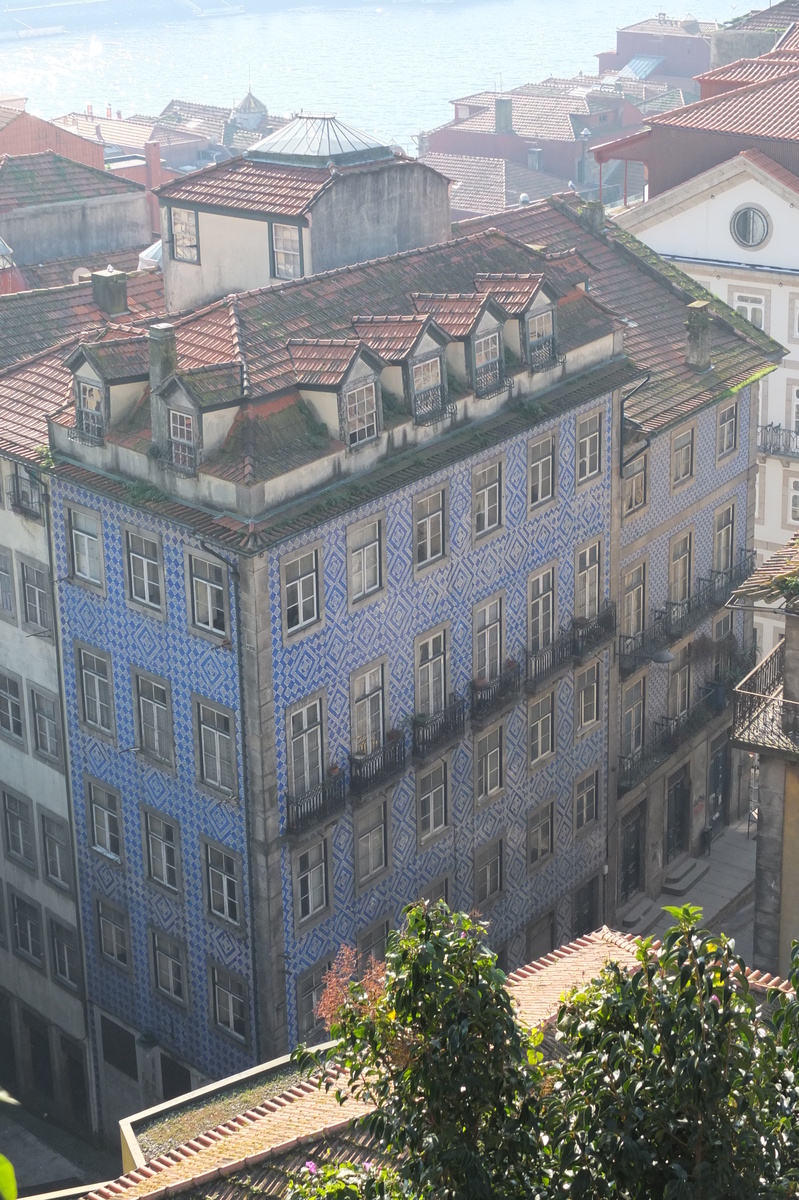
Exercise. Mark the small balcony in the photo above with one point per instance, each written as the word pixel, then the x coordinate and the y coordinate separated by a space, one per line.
pixel 317 804
pixel 439 729
pixel 88 428
pixel 762 719
pixel 544 354
pixel 492 696
pixel 589 632
pixel 24 496
pixel 431 405
pixel 774 439
pixel 378 767
pixel 668 734
pixel 181 458
pixel 489 379
pixel 581 636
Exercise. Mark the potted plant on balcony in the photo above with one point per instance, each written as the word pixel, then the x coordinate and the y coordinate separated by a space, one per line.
pixel 332 770
pixel 510 663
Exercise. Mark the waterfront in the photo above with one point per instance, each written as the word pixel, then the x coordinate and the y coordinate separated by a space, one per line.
pixel 390 68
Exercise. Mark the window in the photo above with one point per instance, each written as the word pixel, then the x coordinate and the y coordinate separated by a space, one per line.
pixel 426 375
pixel 10 707
pixel 632 719
pixel 365 560
pixel 208 591
pixel 222 875
pixel 586 907
pixel 312 881
pixel 585 800
pixel 432 677
pixel 302 591
pixel 55 840
pixel 361 405
pixel 542 610
pixel 372 944
pixel 487 499
pixel 181 440
pixel 542 727
pixel 306 747
pixel 6 585
pixel 25 493
pixel 682 457
pixel 680 569
pixel 169 970
pixel 185 243
pixel 155 734
pixel 722 636
pixel 749 227
pixel 728 429
pixel 85 539
pixel 113 928
pixel 162 853
pixel 119 1048
pixel 723 537
pixel 488 640
pixel 432 802
pixel 794 499
pixel 542 470
pixel 541 835
pixel 589 457
pixel 680 683
pixel 634 486
pixel 429 523
pixel 27 928
pixel 95 686
pixel 20 843
pixel 486 351
pixel 372 843
pixel 89 411
pixel 65 954
pixel 310 989
pixel 438 890
pixel 46 732
pixel 286 247
pixel 488 755
pixel 586 600
pixel 216 747
pixel 586 686
pixel 633 601
pixel 488 871
pixel 230 1004
pixel 35 597
pixel 144 570
pixel 104 817
pixel 540 326
pixel 368 695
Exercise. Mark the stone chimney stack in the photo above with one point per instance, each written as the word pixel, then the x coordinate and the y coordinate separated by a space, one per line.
pixel 110 291
pixel 163 354
pixel 503 114
pixel 593 214
pixel 697 349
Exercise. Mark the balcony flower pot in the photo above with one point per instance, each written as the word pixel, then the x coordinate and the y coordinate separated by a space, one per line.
pixel 332 770
pixel 606 620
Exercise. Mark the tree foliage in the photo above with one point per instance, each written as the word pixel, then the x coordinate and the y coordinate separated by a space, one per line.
pixel 347 1181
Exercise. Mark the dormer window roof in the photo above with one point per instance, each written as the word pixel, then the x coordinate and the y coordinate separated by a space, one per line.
pixel 514 292
pixel 326 362
pixel 115 360
pixel 458 313
pixel 396 337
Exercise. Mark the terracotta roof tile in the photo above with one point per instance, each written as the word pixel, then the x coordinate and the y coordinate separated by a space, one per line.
pixel 769 110
pixel 668 26
pixel 28 179
pixel 777 16
pixel 250 186
pixel 514 292
pixel 485 185
pixel 455 312
pixel 543 115
pixel 778 172
pixel 58 272
pixel 760 584
pixel 392 337
pixel 29 394
pixel 322 361
pixel 751 70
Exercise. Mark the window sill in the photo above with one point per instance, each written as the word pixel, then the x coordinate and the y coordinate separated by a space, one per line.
pixel 481 802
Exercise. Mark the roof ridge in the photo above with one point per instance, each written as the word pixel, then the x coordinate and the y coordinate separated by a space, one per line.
pixel 723 97
pixel 238 341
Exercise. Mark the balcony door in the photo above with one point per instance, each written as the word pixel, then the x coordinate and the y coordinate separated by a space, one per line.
pixel 678 815
pixel 631 843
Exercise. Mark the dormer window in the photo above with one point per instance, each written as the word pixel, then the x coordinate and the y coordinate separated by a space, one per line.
pixel 489 375
pixel 89 411
pixel 286 249
pixel 181 440
pixel 541 332
pixel 361 405
pixel 428 392
pixel 185 243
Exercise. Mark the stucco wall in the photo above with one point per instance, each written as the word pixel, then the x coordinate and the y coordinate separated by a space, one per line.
pixel 76 227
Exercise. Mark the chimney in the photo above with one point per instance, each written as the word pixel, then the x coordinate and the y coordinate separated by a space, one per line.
pixel 108 110
pixel 503 114
pixel 110 291
pixel 119 114
pixel 163 354
pixel 593 214
pixel 697 349
pixel 89 110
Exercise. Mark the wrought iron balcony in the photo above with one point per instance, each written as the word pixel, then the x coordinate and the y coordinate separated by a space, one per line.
pixel 438 729
pixel 181 457
pixel 370 771
pixel 545 662
pixel 762 719
pixel 489 696
pixel 489 379
pixel 774 439
pixel 24 496
pixel 317 804
pixel 668 734
pixel 589 632
pixel 431 405
pixel 574 641
pixel 544 354
pixel 88 427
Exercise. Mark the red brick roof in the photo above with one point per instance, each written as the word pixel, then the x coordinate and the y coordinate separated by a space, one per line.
pixel 513 292
pixel 392 337
pixel 768 110
pixel 777 16
pixel 761 584
pixel 486 185
pixel 32 392
pixel 545 114
pixel 789 42
pixel 455 312
pixel 57 272
pixel 751 70
pixel 778 172
pixel 669 26
pixel 322 361
pixel 49 178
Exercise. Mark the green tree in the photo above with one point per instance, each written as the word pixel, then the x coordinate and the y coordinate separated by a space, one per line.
pixel 346 1181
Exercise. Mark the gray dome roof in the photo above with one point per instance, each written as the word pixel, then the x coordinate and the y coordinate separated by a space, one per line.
pixel 314 141
pixel 250 104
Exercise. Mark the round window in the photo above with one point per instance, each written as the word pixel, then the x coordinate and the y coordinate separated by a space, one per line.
pixel 750 227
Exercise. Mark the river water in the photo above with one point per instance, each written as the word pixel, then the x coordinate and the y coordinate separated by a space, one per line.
pixel 389 67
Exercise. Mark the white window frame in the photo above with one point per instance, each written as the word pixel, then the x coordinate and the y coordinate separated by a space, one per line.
pixel 35 588
pixel 586 801
pixel 112 928
pixel 635 486
pixel 489 763
pixel 145 584
pixel 169 967
pixel 216 746
pixel 430 542
pixel 542 610
pixel 431 679
pixel 752 308
pixel 184 228
pixel 86 547
pixel 488 872
pixel 12 722
pixel 542 470
pixel 589 447
pixel 301 592
pixel 633 612
pixel 56 853
pixel 433 802
pixel 589 581
pixel 154 718
pixel 230 1003
pixel 372 843
pixel 541 728
pixel 586 690
pixel 360 404
pixel 682 457
pixel 680 567
pixel 488 639
pixel 724 538
pixel 727 441
pixel 287 250
pixel 163 854
pixel 20 833
pixel 365 546
pixel 488 498
pixel 96 691
pixel 633 708
pixel 208 596
pixel 369 717
pixel 541 835
pixel 66 965
pixel 182 441
pixel 313 884
pixel 105 821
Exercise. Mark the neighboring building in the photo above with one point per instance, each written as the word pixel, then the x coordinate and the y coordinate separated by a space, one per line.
pixel 756 33
pixel 60 272
pixel 118 137
pixel 248 122
pixel 733 228
pixel 486 185
pixel 53 207
pixel 677 49
pixel 766 723
pixel 22 133
pixel 312 196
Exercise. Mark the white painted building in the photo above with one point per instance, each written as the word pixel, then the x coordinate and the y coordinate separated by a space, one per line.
pixel 734 229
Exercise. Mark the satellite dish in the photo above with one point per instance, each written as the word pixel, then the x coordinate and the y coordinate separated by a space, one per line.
pixel 81 275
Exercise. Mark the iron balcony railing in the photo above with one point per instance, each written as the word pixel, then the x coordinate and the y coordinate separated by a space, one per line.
pixel 369 771
pixel 88 427
pixel 181 457
pixel 431 405
pixel 678 617
pixel 488 696
pixel 668 734
pixel 489 379
pixel 546 661
pixel 774 439
pixel 430 732
pixel 317 804
pixel 572 642
pixel 762 718
pixel 24 496
pixel 589 632
pixel 543 354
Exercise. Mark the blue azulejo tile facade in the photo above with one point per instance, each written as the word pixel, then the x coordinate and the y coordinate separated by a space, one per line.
pixel 156 888
pixel 329 656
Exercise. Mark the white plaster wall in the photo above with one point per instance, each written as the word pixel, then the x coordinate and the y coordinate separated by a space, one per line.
pixel 234 257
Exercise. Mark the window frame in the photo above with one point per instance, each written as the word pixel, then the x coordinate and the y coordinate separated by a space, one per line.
pixel 533 578
pixel 483 798
pixel 89 785
pixel 481 536
pixel 9 615
pixel 20 742
pixel 55 922
pixel 376 664
pixel 673 542
pixel 425 840
pixel 685 480
pixel 582 826
pixel 422 639
pixel 27 863
pixel 148 814
pixel 208 845
pixel 217 975
pixel 366 938
pixel 316 976
pixel 352 388
pixel 64 886
pixel 192 260
pixel 119 918
pixel 175 951
pixel 539 816
pixel 639 467
pixel 535 506
pixel 98 586
pixel 212 635
pixel 364 824
pixel 722 449
pixel 353 532
pixel 17 897
pixel 533 764
pixel 588 477
pixel 629 686
pixel 53 760
pixel 145 607
pixel 137 676
pixel 314 916
pixel 585 549
pixel 630 590
pixel 422 568
pixel 81 648
pixel 581 726
pixel 727 509
pixel 484 852
pixel 216 789
pixel 480 606
pixel 26 565
pixel 274 251
pixel 290 636
pixel 744 208
pixel 319 699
